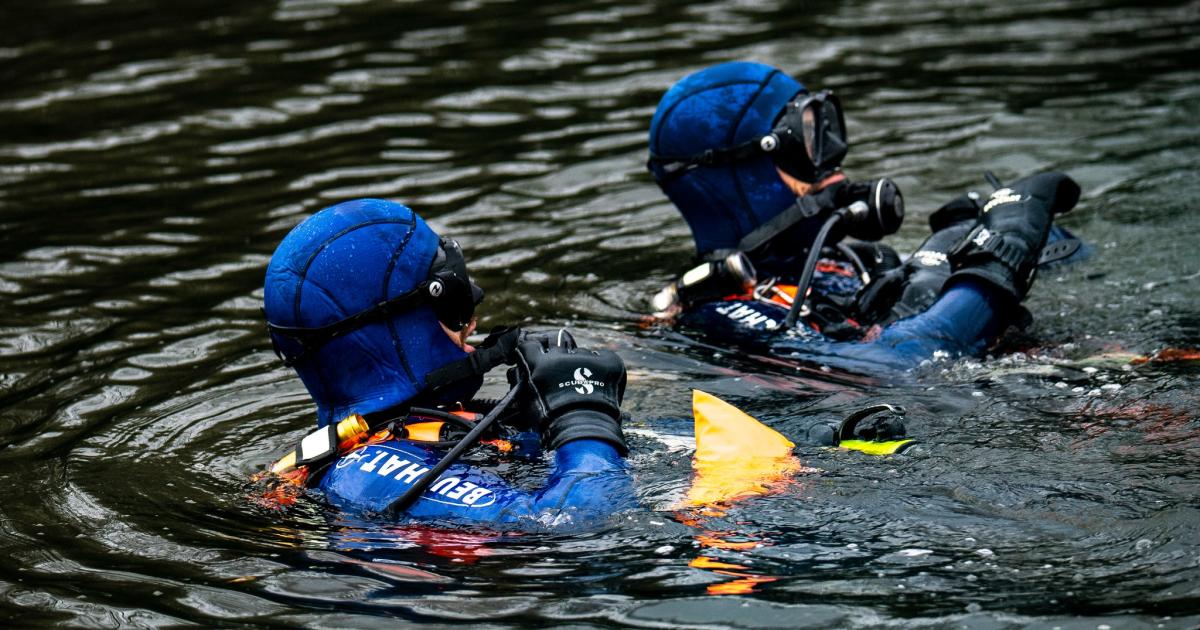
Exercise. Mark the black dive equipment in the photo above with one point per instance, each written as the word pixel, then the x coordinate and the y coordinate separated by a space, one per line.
pixel 885 208
pixel 401 431
pixel 732 275
pixel 877 423
pixel 1052 253
pixel 874 430
pixel 807 142
pixel 448 289
pixel 885 212
pixel 878 215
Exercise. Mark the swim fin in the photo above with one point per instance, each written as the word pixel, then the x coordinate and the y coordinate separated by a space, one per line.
pixel 736 455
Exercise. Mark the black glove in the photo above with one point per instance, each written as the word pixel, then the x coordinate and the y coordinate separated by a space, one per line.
pixel 570 393
pixel 915 286
pixel 1003 250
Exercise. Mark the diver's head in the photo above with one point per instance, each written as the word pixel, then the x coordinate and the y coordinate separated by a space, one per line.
pixel 733 145
pixel 364 300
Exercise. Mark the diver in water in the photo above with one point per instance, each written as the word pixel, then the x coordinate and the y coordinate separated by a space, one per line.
pixel 752 161
pixel 372 309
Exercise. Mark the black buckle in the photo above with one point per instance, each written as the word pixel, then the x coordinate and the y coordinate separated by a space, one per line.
pixel 981 242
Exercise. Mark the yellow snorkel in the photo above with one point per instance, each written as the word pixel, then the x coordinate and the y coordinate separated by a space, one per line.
pixel 884 435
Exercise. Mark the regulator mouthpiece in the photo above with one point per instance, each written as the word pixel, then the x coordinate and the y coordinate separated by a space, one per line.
pixel 878 209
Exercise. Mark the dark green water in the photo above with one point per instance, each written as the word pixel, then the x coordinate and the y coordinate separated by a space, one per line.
pixel 153 154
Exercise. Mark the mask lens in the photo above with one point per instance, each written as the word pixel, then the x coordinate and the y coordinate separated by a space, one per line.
pixel 832 115
pixel 459 266
pixel 809 121
pixel 833 137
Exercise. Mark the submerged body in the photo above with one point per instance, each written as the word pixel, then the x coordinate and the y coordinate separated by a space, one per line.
pixel 963 322
pixel 589 482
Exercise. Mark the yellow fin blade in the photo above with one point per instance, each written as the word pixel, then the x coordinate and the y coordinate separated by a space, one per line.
pixel 736 455
pixel 726 432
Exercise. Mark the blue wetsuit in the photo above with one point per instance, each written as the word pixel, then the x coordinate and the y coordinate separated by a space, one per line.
pixel 964 321
pixel 588 484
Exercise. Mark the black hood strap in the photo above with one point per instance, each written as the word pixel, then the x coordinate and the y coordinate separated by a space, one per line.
pixel 805 207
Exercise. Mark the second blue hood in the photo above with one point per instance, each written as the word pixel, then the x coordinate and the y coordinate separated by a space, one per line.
pixel 718 108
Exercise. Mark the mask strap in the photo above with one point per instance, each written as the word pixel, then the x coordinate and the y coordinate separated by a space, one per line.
pixel 668 168
pixel 311 339
pixel 673 167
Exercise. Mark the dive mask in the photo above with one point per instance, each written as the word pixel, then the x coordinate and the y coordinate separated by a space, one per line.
pixel 808 142
pixel 809 139
pixel 448 290
pixel 452 293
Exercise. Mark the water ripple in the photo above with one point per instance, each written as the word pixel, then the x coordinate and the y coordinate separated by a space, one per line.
pixel 152 159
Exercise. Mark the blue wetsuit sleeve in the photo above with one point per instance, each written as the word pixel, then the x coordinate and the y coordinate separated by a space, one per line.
pixel 589 482
pixel 590 479
pixel 964 320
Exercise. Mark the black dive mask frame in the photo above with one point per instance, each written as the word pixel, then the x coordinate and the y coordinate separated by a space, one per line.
pixel 817 152
pixel 808 141
pixel 448 289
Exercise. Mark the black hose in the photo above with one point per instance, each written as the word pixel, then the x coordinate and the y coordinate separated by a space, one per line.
pixel 993 180
pixel 436 414
pixel 857 261
pixel 444 416
pixel 810 265
pixel 418 487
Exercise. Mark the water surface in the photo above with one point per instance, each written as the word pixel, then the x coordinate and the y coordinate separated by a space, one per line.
pixel 151 157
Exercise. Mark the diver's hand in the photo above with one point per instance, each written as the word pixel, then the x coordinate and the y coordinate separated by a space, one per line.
pixel 915 285
pixel 1003 250
pixel 571 393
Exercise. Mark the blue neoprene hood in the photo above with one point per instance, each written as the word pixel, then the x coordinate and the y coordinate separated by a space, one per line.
pixel 338 262
pixel 717 108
